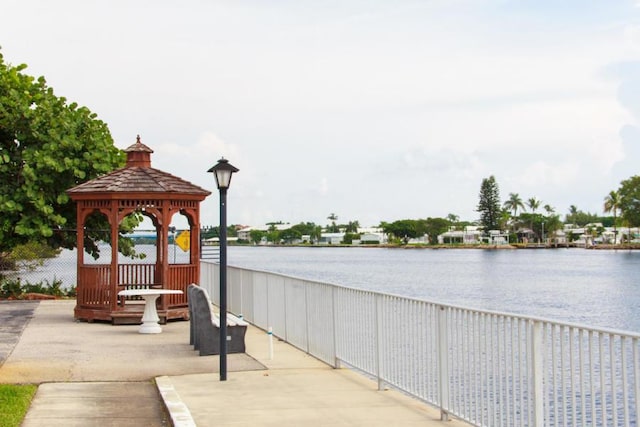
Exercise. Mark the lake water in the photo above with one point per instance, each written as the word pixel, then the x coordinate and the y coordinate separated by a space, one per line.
pixel 592 287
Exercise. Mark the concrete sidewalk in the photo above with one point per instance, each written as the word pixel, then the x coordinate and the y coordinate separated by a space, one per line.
pixel 99 374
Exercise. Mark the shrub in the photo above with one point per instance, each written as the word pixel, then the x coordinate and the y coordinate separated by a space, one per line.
pixel 10 289
pixel 14 289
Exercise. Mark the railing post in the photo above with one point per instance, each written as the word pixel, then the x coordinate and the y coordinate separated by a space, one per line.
pixel 537 367
pixel 443 363
pixel 334 331
pixel 379 342
pixel 307 331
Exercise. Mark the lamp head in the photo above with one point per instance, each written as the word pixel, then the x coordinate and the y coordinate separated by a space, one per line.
pixel 223 171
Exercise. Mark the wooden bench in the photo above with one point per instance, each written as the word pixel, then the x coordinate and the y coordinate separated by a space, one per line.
pixel 205 325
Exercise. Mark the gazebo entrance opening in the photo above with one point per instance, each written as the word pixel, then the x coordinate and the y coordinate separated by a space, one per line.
pixel 135 189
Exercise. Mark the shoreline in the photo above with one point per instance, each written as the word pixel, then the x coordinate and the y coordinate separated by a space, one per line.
pixel 529 246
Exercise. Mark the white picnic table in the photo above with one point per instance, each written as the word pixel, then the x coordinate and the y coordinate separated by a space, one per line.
pixel 150 319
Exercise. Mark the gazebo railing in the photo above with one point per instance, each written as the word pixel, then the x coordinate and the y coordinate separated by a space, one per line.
pixel 95 279
pixel 95 291
pixel 180 276
pixel 137 275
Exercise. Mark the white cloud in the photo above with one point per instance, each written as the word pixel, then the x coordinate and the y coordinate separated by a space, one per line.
pixel 311 102
pixel 324 186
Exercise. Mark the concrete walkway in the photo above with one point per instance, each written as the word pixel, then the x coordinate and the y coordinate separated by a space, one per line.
pixel 103 375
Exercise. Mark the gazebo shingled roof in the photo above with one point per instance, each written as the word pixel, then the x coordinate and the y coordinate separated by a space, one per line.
pixel 138 176
pixel 137 187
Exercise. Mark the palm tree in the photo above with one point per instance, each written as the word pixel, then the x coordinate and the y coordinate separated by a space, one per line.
pixel 533 204
pixel 514 203
pixel 453 219
pixel 333 228
pixel 549 209
pixel 573 214
pixel 352 227
pixel 612 204
pixel 316 234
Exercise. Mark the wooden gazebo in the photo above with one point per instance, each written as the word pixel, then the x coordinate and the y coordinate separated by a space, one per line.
pixel 158 195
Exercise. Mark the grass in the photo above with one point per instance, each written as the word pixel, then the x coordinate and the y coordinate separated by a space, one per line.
pixel 14 403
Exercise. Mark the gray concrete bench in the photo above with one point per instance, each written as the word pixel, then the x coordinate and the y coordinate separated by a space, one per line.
pixel 205 325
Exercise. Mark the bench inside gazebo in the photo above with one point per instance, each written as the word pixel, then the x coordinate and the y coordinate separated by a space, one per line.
pixel 136 188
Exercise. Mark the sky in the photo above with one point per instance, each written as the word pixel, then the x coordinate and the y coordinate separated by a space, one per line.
pixel 369 110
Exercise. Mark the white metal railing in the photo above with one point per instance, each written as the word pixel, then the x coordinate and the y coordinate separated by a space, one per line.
pixel 487 368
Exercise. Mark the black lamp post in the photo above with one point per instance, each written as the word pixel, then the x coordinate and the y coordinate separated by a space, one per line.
pixel 223 171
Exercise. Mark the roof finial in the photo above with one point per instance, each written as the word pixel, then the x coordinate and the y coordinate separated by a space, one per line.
pixel 138 154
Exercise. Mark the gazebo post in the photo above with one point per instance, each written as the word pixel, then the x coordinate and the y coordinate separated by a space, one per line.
pixel 164 243
pixel 113 282
pixel 194 234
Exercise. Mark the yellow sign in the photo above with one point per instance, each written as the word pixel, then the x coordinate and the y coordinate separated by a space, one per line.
pixel 183 240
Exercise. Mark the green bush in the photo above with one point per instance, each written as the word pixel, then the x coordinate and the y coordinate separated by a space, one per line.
pixel 14 289
pixel 10 289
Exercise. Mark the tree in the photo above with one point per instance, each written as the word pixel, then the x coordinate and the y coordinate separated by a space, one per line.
pixel 533 204
pixel 580 218
pixel 552 225
pixel 290 235
pixel 572 215
pixel 349 238
pixel 46 147
pixel 489 204
pixel 629 193
pixel 273 235
pixel 316 235
pixel 333 228
pixel 514 203
pixel 404 229
pixel 436 226
pixel 612 204
pixel 453 219
pixel 256 236
pixel 352 227
pixel 304 228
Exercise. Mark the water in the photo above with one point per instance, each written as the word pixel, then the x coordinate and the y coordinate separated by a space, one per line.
pixel 591 287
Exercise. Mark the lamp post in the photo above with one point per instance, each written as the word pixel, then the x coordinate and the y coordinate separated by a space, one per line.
pixel 223 171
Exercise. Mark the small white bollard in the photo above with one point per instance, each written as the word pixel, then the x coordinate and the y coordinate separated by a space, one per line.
pixel 270 334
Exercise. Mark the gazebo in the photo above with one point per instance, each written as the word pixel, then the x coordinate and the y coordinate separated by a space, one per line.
pixel 136 188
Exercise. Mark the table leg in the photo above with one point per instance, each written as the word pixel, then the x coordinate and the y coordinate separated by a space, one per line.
pixel 150 317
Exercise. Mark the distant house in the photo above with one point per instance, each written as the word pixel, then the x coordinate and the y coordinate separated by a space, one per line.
pixel 245 232
pixel 526 235
pixel 558 237
pixel 372 235
pixel 422 240
pixel 626 234
pixel 371 238
pixel 471 235
pixel 331 238
pixel 497 237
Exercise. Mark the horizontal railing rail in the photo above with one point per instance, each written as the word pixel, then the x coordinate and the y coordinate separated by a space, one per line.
pixel 484 367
